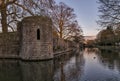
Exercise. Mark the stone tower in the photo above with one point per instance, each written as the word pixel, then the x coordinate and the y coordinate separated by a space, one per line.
pixel 36 38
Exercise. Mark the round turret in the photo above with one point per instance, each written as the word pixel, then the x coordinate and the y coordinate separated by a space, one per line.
pixel 36 37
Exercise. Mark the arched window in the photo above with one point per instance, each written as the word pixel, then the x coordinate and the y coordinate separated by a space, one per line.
pixel 38 34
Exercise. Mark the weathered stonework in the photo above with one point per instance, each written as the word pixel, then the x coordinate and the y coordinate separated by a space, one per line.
pixel 36 38
pixel 9 45
pixel 32 41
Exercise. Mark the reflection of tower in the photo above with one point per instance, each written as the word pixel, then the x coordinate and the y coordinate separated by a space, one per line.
pixel 62 73
pixel 16 70
pixel 37 71
pixel 36 37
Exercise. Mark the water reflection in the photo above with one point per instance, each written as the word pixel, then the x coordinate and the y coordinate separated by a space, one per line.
pixel 11 70
pixel 37 71
pixel 101 65
pixel 110 59
pixel 88 65
pixel 70 70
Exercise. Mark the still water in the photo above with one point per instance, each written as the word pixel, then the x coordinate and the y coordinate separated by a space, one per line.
pixel 86 65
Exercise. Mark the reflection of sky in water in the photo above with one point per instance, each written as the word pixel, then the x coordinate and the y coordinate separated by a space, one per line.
pixel 91 66
pixel 94 71
pixel 72 69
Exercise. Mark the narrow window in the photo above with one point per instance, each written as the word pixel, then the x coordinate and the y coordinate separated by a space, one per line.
pixel 38 34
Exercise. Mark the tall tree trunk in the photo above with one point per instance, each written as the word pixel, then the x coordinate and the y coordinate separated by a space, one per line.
pixel 60 31
pixel 61 28
pixel 4 18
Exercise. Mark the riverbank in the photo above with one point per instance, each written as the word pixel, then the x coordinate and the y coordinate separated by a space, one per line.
pixel 59 53
pixel 115 48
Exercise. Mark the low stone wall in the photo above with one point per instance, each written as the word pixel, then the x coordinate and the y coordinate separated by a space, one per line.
pixel 9 45
pixel 56 54
pixel 60 44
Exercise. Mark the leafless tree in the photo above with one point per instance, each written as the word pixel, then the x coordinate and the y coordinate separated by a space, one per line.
pixel 64 20
pixel 110 12
pixel 12 11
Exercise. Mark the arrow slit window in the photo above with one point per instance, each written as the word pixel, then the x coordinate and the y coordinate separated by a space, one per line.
pixel 38 34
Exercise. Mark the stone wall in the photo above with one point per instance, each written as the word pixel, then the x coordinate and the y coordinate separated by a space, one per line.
pixel 9 45
pixel 32 41
pixel 60 44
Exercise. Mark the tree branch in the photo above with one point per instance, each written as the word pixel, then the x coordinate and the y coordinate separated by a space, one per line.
pixel 11 28
pixel 24 8
pixel 10 2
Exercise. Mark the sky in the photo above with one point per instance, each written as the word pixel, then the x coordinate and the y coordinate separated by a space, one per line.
pixel 87 14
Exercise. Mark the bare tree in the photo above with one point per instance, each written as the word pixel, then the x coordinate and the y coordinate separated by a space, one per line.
pixel 64 20
pixel 110 12
pixel 12 11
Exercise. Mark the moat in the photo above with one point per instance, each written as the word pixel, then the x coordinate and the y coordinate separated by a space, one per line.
pixel 87 65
